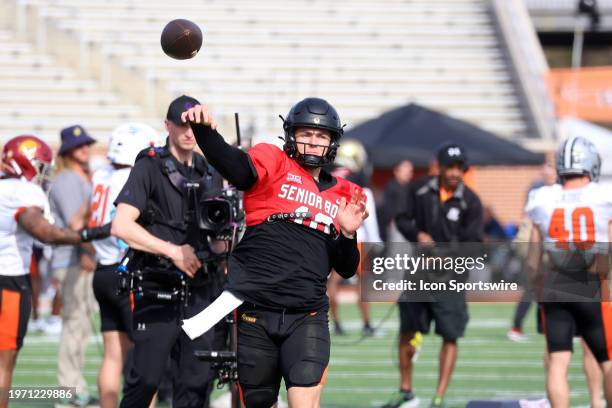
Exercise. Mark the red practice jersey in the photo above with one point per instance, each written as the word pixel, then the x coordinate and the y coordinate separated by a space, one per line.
pixel 284 186
pixel 284 265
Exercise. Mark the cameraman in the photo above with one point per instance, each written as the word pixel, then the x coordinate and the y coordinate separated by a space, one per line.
pixel 438 209
pixel 153 217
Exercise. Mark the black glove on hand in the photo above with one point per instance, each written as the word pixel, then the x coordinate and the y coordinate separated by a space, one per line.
pixel 91 234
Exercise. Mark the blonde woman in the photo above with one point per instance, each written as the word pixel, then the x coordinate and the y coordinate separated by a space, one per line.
pixel 72 265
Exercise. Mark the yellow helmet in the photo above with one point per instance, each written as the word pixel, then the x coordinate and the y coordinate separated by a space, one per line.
pixel 351 155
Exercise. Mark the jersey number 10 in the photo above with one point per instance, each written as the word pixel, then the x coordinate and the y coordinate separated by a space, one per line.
pixel 581 216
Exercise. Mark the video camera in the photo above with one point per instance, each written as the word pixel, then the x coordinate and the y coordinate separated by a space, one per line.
pixel 219 215
pixel 212 215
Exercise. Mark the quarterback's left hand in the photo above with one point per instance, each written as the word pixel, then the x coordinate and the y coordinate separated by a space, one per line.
pixel 351 214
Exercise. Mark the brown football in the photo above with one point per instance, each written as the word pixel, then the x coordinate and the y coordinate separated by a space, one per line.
pixel 181 39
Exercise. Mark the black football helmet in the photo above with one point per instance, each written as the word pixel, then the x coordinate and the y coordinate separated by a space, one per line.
pixel 312 113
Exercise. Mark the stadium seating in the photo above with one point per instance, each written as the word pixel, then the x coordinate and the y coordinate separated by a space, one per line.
pixel 260 57
pixel 39 96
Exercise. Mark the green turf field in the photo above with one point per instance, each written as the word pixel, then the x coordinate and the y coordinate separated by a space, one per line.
pixel 365 374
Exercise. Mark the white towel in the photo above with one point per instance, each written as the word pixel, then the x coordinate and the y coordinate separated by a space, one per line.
pixel 202 322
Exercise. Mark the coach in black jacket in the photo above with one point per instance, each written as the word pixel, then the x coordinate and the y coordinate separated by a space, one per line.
pixel 437 209
pixel 442 210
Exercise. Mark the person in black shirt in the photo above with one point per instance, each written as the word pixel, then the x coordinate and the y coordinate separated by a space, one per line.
pixel 437 209
pixel 394 196
pixel 151 218
pixel 301 222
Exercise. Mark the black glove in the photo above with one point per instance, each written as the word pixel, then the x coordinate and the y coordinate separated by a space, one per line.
pixel 91 234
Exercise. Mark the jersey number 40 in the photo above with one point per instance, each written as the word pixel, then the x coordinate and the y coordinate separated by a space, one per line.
pixel 582 233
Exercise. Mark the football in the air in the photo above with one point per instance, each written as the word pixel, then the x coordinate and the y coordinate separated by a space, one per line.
pixel 181 39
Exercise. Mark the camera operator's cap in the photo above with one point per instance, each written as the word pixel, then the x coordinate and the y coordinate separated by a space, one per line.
pixel 178 106
pixel 452 153
pixel 73 137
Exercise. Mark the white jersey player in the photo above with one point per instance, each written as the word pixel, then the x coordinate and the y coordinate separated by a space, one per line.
pixel 352 159
pixel 126 142
pixel 572 221
pixel 26 161
pixel 115 310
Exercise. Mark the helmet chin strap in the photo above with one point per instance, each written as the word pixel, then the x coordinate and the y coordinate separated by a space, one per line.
pixel 312 160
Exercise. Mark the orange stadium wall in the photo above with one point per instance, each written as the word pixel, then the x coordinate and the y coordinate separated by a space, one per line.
pixel 504 189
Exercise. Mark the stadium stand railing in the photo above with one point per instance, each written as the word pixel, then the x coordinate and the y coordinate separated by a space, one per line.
pixel 560 15
pixel 529 64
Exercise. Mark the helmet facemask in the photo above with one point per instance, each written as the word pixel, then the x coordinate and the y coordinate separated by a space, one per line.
pixel 293 150
pixel 43 173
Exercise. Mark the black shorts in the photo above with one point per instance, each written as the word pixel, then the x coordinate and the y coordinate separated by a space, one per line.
pixel 115 310
pixel 591 320
pixel 273 344
pixel 451 317
pixel 15 308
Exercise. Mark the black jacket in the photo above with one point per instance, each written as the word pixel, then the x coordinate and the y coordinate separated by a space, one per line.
pixel 459 219
pixel 394 199
pixel 150 188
